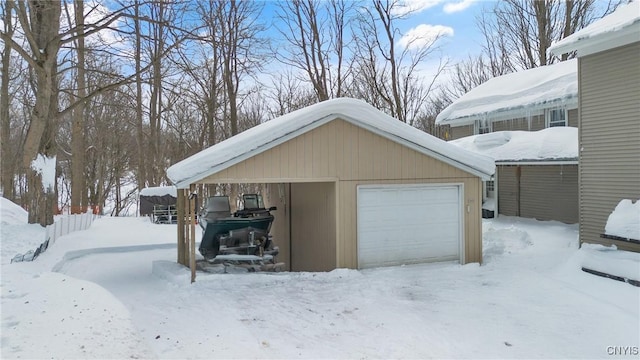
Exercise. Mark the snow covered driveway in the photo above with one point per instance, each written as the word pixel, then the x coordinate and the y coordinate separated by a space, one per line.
pixel 529 300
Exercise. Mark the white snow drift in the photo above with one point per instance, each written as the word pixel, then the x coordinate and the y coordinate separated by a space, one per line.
pixel 115 291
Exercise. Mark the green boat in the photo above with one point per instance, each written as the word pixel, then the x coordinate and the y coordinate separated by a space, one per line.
pixel 245 232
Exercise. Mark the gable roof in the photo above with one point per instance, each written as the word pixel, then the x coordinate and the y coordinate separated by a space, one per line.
pixel 281 129
pixel 516 95
pixel 557 144
pixel 619 28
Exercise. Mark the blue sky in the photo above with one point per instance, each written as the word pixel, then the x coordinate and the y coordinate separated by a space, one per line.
pixel 456 18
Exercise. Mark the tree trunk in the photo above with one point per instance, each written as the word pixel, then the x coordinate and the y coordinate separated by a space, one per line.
pixel 43 38
pixel 78 186
pixel 7 166
pixel 141 171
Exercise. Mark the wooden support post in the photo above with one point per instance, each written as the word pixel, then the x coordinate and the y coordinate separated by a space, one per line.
pixel 187 234
pixel 181 226
pixel 192 242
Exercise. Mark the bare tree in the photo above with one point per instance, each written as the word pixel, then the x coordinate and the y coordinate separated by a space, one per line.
pixel 314 33
pixel 518 33
pixel 240 47
pixel 288 93
pixel 385 76
pixel 40 23
pixel 6 184
pixel 78 186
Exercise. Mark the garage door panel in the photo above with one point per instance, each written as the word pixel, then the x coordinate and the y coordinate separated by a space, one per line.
pixel 408 224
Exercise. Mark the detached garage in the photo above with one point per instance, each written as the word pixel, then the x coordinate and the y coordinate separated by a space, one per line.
pixel 354 188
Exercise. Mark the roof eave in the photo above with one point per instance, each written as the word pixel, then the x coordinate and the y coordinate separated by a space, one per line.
pixel 563 161
pixel 184 184
pixel 600 42
pixel 522 111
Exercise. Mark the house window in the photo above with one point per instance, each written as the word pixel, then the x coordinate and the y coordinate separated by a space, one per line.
pixel 489 189
pixel 490 185
pixel 482 127
pixel 556 117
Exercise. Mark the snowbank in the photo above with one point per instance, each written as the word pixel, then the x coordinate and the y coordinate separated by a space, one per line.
pixel 11 213
pixel 524 91
pixel 555 143
pixel 16 236
pixel 624 221
pixel 274 132
pixel 500 241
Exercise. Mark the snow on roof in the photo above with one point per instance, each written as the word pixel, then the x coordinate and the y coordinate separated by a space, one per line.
pixel 616 29
pixel 159 191
pixel 624 221
pixel 551 144
pixel 512 95
pixel 274 132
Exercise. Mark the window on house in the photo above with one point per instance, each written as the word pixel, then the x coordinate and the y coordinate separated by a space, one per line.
pixel 489 189
pixel 482 127
pixel 490 185
pixel 556 117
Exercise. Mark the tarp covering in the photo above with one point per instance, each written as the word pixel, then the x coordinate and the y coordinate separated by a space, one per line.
pixel 164 195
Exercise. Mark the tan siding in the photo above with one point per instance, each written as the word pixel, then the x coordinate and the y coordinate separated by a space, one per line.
pixel 507 190
pixel 457 132
pixel 313 227
pixel 537 123
pixel 545 192
pixel 609 87
pixel 573 117
pixel 278 195
pixel 549 192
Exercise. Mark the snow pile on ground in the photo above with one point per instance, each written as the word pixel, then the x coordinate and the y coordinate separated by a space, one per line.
pixel 624 221
pixel 12 214
pixel 16 236
pixel 134 301
pixel 555 143
pixel 523 90
pixel 501 241
pixel 50 315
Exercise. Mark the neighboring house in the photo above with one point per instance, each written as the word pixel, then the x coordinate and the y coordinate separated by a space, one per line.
pixel 541 182
pixel 609 102
pixel 354 187
pixel 528 100
pixel 536 172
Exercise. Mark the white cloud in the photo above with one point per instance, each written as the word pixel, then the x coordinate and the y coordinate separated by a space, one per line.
pixel 405 7
pixel 424 35
pixel 454 7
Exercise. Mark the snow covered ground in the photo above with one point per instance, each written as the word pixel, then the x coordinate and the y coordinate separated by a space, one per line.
pixel 115 291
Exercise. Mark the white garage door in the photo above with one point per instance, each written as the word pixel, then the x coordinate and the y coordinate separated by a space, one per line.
pixel 408 224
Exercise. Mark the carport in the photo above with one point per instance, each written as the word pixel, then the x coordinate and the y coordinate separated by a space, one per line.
pixel 354 188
